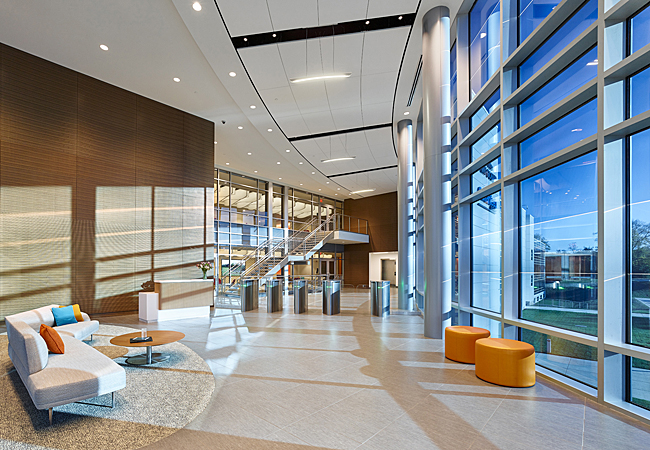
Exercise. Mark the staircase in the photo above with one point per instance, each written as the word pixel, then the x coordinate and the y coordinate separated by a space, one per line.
pixel 273 254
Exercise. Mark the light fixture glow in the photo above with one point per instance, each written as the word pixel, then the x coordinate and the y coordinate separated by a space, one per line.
pixel 245 39
pixel 313 173
pixel 300 163
pixel 240 127
pixel 288 151
pixel 176 79
pixel 399 18
pixel 104 47
pixel 227 164
pixel 232 74
pixel 406 113
pixel 280 178
pixel 343 158
pixel 249 153
pixel 362 191
pixel 274 35
pixel 300 184
pixel 269 130
pixel 196 6
pixel 327 182
pixel 255 171
pixel 367 22
pixel 215 142
pixel 321 77
pixel 278 162
pixel 319 189
pixel 253 106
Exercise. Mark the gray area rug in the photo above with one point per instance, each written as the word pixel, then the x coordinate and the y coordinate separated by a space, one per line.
pixel 157 401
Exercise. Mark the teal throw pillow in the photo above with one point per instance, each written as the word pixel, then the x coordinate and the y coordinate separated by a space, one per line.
pixel 64 316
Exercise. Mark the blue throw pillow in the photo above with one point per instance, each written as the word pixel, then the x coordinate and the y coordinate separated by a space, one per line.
pixel 64 316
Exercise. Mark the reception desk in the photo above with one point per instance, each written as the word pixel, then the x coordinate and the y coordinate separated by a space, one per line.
pixel 177 299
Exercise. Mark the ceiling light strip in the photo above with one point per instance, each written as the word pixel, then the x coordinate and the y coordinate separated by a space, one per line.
pixel 337 132
pixel 363 190
pixel 342 158
pixel 362 171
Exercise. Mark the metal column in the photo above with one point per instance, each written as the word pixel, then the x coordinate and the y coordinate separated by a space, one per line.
pixel 249 294
pixel 331 297
pixel 405 218
pixel 436 111
pixel 380 298
pixel 274 295
pixel 299 296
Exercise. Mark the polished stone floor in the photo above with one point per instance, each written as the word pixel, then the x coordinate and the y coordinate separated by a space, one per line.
pixel 354 381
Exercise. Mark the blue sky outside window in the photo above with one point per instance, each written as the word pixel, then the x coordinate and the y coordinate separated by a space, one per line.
pixel 566 82
pixel 572 128
pixel 640 30
pixel 531 14
pixel 640 92
pixel 571 29
pixel 485 43
pixel 485 109
pixel 486 253
pixel 486 142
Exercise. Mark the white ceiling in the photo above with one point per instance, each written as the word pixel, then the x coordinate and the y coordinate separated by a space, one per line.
pixel 152 41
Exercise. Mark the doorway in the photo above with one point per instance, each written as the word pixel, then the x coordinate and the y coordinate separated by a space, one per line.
pixel 389 271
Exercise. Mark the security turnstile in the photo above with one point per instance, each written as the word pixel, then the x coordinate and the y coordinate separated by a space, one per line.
pixel 249 290
pixel 331 297
pixel 299 296
pixel 380 298
pixel 274 291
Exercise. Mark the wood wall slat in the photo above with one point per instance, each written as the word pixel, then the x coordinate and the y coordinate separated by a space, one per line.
pixel 99 189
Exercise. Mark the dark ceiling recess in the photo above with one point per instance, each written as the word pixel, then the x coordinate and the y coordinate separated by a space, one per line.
pixel 298 34
pixel 362 171
pixel 334 133
pixel 415 82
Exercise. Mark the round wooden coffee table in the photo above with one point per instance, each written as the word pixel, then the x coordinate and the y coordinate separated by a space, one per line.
pixel 160 337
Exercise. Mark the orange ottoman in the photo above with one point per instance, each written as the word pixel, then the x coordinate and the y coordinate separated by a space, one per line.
pixel 459 342
pixel 505 362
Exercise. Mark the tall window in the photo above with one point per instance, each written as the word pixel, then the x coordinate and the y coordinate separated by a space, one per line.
pixel 571 29
pixel 558 233
pixel 485 42
pixel 531 14
pixel 453 70
pixel 639 238
pixel 574 127
pixel 454 254
pixel 486 108
pixel 639 92
pixel 486 253
pixel 486 142
pixel 579 73
pixel 639 26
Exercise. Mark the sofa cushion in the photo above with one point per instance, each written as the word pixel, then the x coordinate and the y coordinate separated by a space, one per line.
pixel 63 316
pixel 80 373
pixel 52 339
pixel 27 346
pixel 77 312
pixel 79 330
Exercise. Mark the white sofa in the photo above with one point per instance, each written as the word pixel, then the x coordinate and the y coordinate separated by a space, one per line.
pixel 57 379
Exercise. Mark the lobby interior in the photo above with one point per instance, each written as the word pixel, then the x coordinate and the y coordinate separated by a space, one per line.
pixel 486 157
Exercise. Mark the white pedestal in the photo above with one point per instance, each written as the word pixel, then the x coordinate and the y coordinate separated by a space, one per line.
pixel 148 307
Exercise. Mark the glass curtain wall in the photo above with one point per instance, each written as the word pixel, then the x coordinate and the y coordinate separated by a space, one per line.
pixel 535 177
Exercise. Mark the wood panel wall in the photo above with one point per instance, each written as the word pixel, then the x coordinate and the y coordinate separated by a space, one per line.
pixel 100 189
pixel 381 213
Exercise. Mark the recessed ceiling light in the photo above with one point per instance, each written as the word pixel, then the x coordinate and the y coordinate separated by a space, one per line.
pixel 176 79
pixel 367 22
pixel 274 35
pixel 313 173
pixel 406 113
pixel 232 74
pixel 327 182
pixel 249 153
pixel 399 18
pixel 269 130
pixel 338 189
pixel 245 39
pixel 227 164
pixel 278 162
pixel 319 189
pixel 104 47
pixel 288 150
pixel 255 171
pixel 361 191
pixel 300 184
pixel 215 142
pixel 300 162
pixel 320 77
pixel 253 106
pixel 336 194
pixel 280 178
pixel 196 6
pixel 343 158
pixel 240 127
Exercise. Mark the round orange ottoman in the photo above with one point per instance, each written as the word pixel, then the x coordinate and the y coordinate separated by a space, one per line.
pixel 459 342
pixel 505 362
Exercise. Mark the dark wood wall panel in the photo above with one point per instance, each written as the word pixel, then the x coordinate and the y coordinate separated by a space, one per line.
pixel 381 213
pixel 101 189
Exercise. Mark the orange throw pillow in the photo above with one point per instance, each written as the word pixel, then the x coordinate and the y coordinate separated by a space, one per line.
pixel 52 339
pixel 77 312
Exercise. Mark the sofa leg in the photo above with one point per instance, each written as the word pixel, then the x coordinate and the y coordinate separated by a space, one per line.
pixel 50 414
pixel 91 338
pixel 113 399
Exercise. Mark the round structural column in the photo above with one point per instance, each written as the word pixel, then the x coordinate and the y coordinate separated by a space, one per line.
pixel 405 217
pixel 436 109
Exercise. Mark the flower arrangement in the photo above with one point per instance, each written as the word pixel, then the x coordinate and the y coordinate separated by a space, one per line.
pixel 205 266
